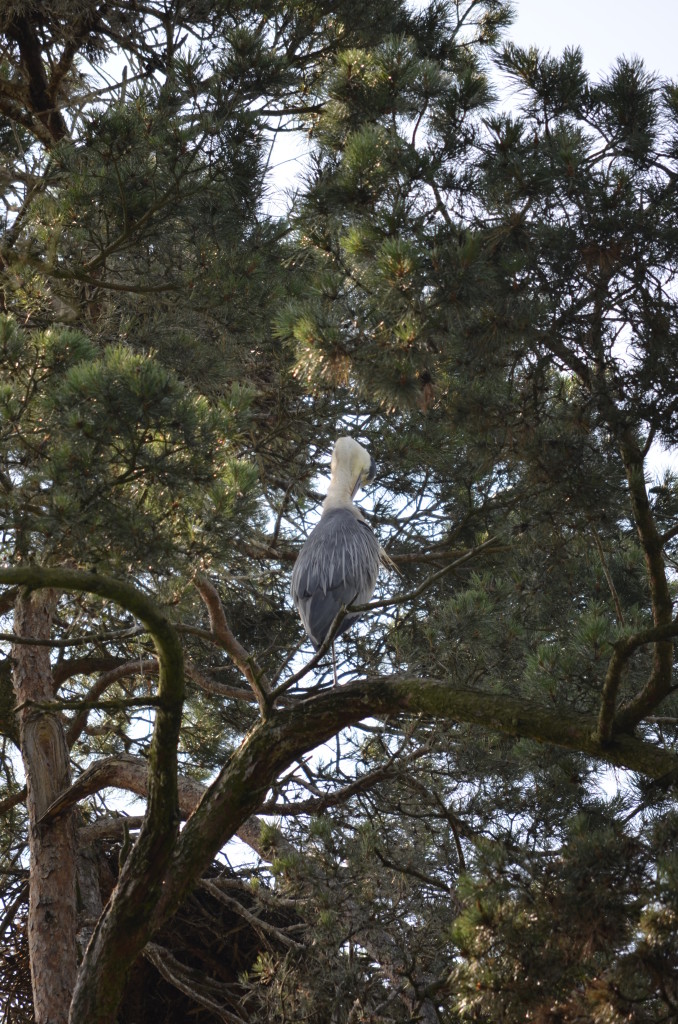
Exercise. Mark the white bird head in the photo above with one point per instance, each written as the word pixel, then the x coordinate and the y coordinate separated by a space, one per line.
pixel 355 461
pixel 352 467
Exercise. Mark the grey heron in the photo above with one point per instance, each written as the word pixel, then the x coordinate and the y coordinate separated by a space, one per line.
pixel 339 563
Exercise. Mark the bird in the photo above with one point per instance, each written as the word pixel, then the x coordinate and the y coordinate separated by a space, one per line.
pixel 339 563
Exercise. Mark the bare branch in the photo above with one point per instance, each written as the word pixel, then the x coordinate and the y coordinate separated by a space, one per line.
pixel 105 680
pixel 392 602
pixel 246 662
pixel 91 638
pixel 260 926
pixel 607 574
pixel 361 784
pixel 191 982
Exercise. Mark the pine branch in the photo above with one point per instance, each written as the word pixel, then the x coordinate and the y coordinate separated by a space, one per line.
pixel 433 578
pixel 12 800
pixel 106 679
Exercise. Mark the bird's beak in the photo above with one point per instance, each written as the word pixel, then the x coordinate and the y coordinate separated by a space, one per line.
pixel 365 477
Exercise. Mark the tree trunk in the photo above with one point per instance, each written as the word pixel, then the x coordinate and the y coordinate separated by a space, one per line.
pixel 52 906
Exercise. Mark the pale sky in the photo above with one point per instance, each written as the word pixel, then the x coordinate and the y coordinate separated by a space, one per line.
pixel 604 29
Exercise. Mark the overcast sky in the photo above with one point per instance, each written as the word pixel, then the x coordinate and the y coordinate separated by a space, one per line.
pixel 604 29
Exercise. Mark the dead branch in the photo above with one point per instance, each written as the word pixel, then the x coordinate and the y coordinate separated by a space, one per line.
pixel 245 661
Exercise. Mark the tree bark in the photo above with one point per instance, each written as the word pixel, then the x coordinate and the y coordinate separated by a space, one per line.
pixel 52 919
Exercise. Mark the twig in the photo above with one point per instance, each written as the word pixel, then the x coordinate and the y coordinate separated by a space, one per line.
pixel 359 785
pixel 88 639
pixel 318 656
pixel 10 913
pixel 252 919
pixel 410 869
pixel 607 574
pixel 405 598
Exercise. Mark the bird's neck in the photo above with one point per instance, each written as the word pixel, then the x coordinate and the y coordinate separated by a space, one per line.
pixel 340 492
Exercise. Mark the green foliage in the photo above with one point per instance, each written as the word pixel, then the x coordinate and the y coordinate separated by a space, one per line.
pixel 487 300
pixel 111 459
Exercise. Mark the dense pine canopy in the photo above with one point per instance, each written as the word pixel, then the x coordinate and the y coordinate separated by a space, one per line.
pixel 479 823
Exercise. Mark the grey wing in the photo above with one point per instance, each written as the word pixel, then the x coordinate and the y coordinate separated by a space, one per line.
pixel 338 565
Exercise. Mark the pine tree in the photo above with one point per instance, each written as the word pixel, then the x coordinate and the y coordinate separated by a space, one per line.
pixel 484 299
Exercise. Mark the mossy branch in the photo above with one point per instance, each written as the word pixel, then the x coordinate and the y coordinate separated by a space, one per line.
pixel 241 786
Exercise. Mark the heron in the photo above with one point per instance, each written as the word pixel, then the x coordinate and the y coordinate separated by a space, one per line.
pixel 339 563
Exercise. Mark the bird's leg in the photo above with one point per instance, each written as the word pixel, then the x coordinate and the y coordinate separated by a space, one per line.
pixel 336 683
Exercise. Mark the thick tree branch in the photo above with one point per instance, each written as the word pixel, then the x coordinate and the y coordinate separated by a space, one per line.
pixel 123 771
pixel 40 99
pixel 241 786
pixel 110 828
